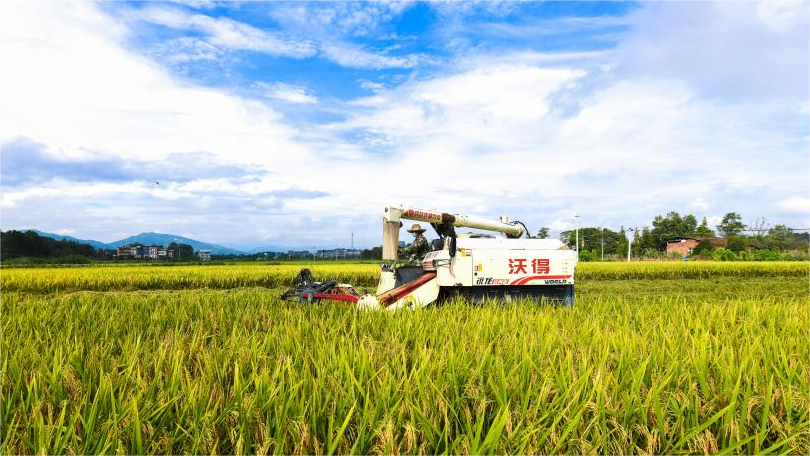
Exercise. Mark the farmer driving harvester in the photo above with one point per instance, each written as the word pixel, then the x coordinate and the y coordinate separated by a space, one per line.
pixel 416 252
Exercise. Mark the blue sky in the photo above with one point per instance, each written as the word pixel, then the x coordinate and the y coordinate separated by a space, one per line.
pixel 294 123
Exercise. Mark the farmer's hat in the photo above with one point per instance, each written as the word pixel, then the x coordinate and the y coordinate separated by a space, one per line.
pixel 416 229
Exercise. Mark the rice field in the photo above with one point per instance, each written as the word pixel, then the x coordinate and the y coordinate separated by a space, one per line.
pixel 654 358
pixel 149 277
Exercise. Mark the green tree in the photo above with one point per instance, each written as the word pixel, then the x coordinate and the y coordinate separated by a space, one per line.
pixel 374 253
pixel 666 226
pixel 185 251
pixel 15 244
pixel 735 243
pixel 588 255
pixel 688 225
pixel 722 254
pixel 731 225
pixel 181 251
pixel 672 226
pixel 648 239
pixel 703 229
pixel 542 233
pixel 592 238
pixel 780 237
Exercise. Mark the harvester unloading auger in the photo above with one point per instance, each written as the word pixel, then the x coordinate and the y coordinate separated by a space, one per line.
pixel 473 266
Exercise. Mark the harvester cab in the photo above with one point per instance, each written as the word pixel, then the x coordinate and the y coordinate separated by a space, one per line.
pixel 477 267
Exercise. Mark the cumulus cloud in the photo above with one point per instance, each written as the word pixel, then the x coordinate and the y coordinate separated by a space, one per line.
pixel 26 162
pixel 112 114
pixel 475 103
pixel 105 98
pixel 627 150
pixel 23 161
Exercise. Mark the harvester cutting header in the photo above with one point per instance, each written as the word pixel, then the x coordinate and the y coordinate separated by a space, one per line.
pixel 473 266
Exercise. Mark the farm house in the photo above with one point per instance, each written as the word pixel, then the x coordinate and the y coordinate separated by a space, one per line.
pixel 684 246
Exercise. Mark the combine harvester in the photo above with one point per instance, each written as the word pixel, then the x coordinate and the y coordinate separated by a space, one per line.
pixel 473 266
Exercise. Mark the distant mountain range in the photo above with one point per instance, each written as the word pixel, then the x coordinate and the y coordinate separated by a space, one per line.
pixel 95 244
pixel 148 239
pixel 165 239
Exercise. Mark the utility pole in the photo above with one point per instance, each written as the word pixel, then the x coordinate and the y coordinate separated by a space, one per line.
pixel 603 243
pixel 352 240
pixel 576 216
pixel 629 243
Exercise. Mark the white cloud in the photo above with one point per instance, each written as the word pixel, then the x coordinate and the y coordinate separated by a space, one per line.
pixel 287 92
pixel 354 56
pixel 455 8
pixel 198 4
pixel 363 16
pixel 714 220
pixel 754 50
pixel 227 33
pixel 352 18
pixel 699 204
pixel 478 104
pixel 554 26
pixel 796 205
pixel 187 49
pixel 101 97
pixel 629 149
pixel 783 15
pixel 371 85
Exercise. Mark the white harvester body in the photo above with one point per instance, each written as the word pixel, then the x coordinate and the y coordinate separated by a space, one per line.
pixel 501 261
pixel 476 267
pixel 502 267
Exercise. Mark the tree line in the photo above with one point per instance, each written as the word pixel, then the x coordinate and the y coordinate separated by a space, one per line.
pixel 17 244
pixel 595 242
pixel 651 241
